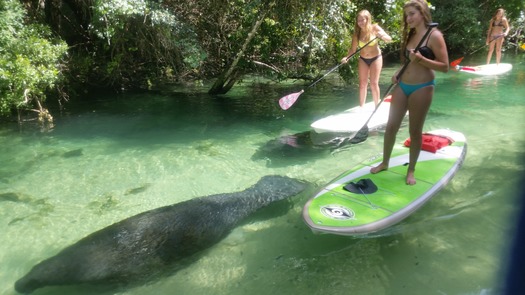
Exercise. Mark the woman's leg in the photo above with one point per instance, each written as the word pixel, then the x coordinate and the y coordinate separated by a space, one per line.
pixel 491 49
pixel 364 71
pixel 418 106
pixel 499 43
pixel 398 109
pixel 375 71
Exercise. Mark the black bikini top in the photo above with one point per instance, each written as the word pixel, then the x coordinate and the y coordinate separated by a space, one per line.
pixel 427 52
pixel 500 24
pixel 424 50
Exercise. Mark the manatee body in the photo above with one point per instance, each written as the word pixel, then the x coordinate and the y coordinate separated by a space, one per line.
pixel 278 152
pixel 156 240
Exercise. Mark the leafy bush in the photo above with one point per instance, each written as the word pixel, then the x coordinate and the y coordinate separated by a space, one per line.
pixel 29 62
pixel 139 42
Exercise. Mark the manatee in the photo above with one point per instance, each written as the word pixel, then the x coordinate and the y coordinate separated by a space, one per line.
pixel 155 241
pixel 280 152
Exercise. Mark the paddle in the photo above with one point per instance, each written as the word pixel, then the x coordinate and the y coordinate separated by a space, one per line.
pixel 287 101
pixel 456 62
pixel 362 134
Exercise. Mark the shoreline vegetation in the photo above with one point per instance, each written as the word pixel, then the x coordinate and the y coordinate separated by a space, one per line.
pixel 55 51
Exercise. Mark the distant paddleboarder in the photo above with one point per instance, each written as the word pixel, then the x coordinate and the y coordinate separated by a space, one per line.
pixel 498 30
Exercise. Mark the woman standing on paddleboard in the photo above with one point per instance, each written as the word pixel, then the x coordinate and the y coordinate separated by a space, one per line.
pixel 366 36
pixel 496 35
pixel 415 87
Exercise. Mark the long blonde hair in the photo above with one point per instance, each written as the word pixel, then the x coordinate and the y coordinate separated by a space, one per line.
pixel 368 30
pixel 493 19
pixel 407 33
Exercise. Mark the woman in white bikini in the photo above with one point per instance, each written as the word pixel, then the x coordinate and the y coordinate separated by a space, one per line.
pixel 415 87
pixel 498 30
pixel 370 60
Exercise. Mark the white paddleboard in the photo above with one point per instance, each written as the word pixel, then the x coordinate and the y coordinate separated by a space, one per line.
pixel 486 70
pixel 358 202
pixel 352 120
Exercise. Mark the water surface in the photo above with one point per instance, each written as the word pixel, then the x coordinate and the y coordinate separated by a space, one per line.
pixel 118 156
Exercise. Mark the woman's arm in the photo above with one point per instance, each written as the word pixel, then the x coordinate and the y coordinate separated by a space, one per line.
pixel 506 24
pixel 351 50
pixel 488 32
pixel 381 34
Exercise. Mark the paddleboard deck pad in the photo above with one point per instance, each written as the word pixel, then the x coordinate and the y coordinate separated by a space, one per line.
pixel 358 202
pixel 486 70
pixel 352 120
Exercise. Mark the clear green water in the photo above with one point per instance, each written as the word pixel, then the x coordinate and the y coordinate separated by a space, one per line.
pixel 115 158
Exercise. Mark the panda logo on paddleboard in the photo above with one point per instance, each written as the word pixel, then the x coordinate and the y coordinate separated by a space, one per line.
pixel 337 212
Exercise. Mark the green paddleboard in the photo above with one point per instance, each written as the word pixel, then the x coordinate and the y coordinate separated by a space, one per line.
pixel 358 202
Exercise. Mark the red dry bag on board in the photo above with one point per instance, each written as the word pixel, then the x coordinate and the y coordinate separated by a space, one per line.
pixel 432 143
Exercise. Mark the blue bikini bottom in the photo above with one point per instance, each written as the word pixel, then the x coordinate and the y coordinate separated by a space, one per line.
pixel 410 88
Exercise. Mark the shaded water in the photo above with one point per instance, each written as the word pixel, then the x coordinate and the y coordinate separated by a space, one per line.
pixel 115 158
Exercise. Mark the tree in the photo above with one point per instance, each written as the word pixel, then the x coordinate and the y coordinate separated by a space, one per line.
pixel 465 22
pixel 228 78
pixel 30 62
pixel 126 44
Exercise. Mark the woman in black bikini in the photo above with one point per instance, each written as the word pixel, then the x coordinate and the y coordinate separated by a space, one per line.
pixel 370 61
pixel 495 35
pixel 415 88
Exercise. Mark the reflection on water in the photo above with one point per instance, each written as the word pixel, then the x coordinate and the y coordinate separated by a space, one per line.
pixel 114 158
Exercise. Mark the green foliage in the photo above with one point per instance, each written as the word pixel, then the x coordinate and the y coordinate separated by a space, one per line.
pixel 465 22
pixel 29 61
pixel 126 44
pixel 140 41
pixel 462 29
pixel 304 37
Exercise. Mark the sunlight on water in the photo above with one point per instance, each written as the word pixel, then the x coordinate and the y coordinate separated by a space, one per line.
pixel 109 161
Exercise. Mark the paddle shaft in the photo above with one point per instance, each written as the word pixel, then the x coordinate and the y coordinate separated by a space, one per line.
pixel 336 67
pixel 493 39
pixel 457 61
pixel 288 100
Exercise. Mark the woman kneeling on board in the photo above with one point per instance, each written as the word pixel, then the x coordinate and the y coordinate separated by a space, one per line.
pixel 415 87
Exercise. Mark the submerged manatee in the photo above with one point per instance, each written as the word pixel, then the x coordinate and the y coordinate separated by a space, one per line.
pixel 284 150
pixel 156 240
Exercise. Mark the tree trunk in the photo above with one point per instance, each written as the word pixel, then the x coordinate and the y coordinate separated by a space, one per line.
pixel 228 78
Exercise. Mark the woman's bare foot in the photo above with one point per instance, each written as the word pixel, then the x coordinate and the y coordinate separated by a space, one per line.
pixel 379 168
pixel 411 179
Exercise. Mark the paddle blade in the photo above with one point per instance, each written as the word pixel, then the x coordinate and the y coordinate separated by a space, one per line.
pixel 361 135
pixel 287 101
pixel 456 62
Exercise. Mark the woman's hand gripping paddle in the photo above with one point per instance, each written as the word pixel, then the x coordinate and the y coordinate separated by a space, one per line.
pixel 362 134
pixel 456 62
pixel 287 101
